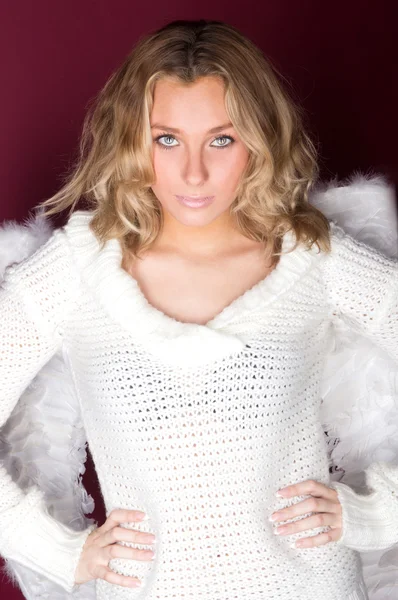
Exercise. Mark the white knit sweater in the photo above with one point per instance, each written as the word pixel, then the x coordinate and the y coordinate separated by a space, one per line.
pixel 198 425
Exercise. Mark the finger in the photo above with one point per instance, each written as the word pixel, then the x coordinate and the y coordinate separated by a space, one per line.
pixel 318 520
pixel 307 506
pixel 318 540
pixel 118 551
pixel 105 573
pixel 309 486
pixel 121 515
pixel 122 534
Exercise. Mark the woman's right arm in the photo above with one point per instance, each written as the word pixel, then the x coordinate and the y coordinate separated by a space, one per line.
pixel 36 296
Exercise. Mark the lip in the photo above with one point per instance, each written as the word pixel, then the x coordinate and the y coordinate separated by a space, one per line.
pixel 195 201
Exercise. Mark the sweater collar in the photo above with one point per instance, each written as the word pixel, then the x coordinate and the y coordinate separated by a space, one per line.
pixel 170 340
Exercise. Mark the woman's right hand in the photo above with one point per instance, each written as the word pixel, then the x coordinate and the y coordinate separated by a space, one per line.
pixel 100 547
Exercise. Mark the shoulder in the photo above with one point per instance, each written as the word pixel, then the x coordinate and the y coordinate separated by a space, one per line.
pixel 357 276
pixel 350 251
pixel 82 241
pixel 37 261
pixel 98 266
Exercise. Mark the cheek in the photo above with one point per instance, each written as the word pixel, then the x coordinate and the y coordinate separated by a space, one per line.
pixel 162 166
pixel 230 169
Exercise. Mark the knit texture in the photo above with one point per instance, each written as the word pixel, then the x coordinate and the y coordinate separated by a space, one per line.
pixel 198 425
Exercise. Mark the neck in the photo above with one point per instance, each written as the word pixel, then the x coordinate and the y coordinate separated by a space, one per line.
pixel 204 241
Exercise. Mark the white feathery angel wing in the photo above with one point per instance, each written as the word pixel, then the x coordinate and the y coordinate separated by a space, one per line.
pixel 359 409
pixel 43 441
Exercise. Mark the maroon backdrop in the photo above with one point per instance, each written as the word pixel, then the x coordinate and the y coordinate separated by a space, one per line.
pixel 341 59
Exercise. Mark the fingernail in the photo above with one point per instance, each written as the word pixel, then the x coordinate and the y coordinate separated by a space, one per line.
pixel 273 518
pixel 142 516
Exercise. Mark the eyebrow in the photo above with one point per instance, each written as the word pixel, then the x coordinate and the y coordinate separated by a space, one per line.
pixel 175 130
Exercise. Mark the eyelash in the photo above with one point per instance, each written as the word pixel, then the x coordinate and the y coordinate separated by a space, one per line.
pixel 156 140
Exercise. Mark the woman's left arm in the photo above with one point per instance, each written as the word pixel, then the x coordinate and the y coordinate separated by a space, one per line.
pixel 362 285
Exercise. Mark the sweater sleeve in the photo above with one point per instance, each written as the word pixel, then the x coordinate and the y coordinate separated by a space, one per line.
pixel 362 285
pixel 36 296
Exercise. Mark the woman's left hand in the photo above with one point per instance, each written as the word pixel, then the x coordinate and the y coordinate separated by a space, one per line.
pixel 324 502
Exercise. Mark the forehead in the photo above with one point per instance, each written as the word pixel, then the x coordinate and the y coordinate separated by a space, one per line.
pixel 181 105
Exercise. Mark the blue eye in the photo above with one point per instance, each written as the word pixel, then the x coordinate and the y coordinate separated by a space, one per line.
pixel 168 146
pixel 165 146
pixel 225 137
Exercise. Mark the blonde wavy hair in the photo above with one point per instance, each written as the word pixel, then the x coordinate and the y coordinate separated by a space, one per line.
pixel 114 171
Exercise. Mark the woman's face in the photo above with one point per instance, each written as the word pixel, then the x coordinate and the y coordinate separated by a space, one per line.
pixel 194 161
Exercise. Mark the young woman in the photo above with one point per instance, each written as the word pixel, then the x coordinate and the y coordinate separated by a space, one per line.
pixel 193 301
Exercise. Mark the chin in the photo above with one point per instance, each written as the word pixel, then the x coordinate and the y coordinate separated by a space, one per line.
pixel 195 220
pixel 191 216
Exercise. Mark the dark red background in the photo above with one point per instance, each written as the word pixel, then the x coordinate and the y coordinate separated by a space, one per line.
pixel 341 58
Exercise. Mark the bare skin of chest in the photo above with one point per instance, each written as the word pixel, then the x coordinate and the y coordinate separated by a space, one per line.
pixel 196 290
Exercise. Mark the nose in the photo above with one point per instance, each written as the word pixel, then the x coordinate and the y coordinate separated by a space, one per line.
pixel 195 171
